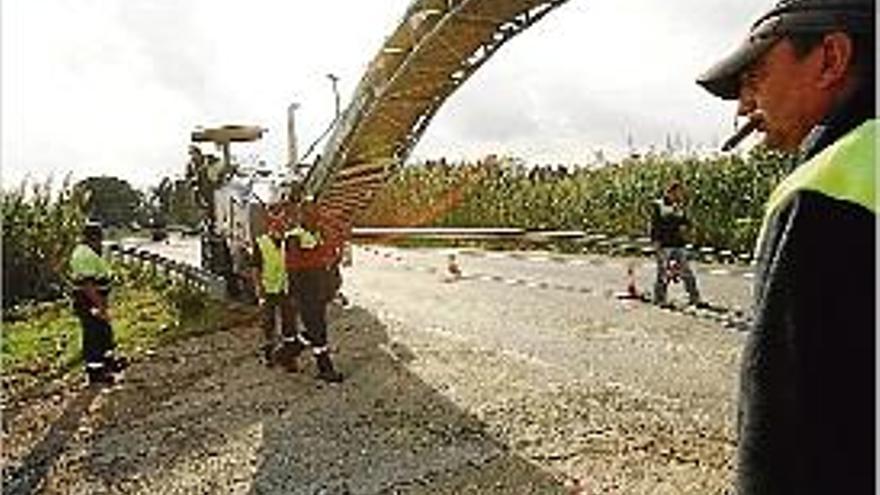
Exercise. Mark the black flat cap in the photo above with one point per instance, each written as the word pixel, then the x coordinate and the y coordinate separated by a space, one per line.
pixel 787 17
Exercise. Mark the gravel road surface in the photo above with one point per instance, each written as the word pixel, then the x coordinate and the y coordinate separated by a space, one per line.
pixel 526 374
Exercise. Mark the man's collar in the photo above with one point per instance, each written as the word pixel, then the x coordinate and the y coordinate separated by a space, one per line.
pixel 811 139
pixel 843 117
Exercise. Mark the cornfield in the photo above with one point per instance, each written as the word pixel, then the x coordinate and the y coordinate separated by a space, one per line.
pixel 725 196
pixel 40 229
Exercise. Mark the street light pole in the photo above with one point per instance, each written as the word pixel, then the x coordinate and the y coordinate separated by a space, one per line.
pixel 333 80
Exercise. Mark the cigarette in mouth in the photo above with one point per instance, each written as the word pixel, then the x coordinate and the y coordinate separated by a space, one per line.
pixel 743 132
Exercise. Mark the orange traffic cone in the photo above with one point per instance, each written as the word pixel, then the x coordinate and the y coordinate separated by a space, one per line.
pixel 631 291
pixel 452 269
pixel 577 487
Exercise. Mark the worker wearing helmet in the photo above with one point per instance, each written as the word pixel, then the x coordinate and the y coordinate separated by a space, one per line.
pixel 313 253
pixel 271 285
pixel 92 277
pixel 805 78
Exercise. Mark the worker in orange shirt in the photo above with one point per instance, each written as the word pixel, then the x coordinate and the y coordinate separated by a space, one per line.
pixel 313 252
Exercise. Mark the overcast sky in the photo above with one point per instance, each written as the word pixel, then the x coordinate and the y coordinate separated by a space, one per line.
pixel 96 87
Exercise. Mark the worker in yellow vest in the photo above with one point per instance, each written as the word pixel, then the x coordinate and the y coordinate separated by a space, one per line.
pixel 92 277
pixel 805 78
pixel 271 284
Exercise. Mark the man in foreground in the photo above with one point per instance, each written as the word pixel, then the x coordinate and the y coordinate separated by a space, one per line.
pixel 806 78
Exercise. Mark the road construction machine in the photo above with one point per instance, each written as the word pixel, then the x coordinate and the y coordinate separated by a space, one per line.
pixel 233 193
pixel 435 48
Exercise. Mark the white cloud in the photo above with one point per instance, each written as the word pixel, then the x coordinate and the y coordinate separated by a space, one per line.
pixel 116 87
pixel 594 73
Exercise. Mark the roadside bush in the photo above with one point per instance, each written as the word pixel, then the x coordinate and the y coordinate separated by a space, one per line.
pixel 40 229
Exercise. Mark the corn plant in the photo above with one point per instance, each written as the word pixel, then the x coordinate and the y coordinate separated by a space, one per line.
pixel 726 195
pixel 40 229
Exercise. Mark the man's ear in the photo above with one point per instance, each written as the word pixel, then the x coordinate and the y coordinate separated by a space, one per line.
pixel 837 53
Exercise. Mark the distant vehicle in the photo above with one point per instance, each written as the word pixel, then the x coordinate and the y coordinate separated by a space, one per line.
pixel 158 234
pixel 158 230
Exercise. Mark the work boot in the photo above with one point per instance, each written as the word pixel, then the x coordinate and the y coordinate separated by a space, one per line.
pixel 115 364
pixel 343 301
pixel 288 355
pixel 268 356
pixel 99 376
pixel 699 304
pixel 326 371
pixel 663 303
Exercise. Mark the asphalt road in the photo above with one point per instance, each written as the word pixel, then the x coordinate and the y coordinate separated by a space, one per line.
pixel 554 310
pixel 525 373
pixel 559 317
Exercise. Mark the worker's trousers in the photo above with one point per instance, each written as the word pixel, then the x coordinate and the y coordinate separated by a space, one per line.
pixel 309 288
pixel 680 256
pixel 279 320
pixel 97 340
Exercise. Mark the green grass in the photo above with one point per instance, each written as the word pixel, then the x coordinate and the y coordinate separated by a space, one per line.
pixel 43 341
pixel 41 336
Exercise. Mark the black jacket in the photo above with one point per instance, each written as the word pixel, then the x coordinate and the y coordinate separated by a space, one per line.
pixel 807 383
pixel 667 224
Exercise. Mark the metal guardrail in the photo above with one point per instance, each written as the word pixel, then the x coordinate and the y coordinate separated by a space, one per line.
pixel 197 278
pixel 585 241
pixel 436 233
